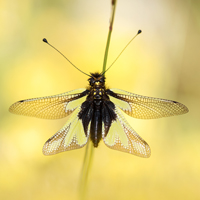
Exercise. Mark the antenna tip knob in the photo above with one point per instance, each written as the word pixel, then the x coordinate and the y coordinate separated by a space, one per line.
pixel 139 31
pixel 45 40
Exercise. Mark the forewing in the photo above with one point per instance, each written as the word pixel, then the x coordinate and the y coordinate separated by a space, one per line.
pixel 143 107
pixel 122 137
pixel 71 136
pixel 50 107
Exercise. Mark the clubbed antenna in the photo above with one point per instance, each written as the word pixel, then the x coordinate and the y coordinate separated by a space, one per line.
pixel 45 40
pixel 139 31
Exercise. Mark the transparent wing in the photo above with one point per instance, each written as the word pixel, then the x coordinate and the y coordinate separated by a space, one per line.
pixel 143 107
pixel 71 136
pixel 50 107
pixel 122 137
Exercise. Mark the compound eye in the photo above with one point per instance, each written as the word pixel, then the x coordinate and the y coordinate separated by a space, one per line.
pixel 102 80
pixel 92 81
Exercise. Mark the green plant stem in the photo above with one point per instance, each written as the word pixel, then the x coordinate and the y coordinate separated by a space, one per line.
pixel 114 4
pixel 90 149
pixel 86 168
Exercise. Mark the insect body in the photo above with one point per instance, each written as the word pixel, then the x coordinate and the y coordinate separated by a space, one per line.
pixel 96 113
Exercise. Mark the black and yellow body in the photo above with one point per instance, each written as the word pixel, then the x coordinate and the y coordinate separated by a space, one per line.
pixel 97 109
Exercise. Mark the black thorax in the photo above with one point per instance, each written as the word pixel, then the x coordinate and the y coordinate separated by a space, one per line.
pixel 97 110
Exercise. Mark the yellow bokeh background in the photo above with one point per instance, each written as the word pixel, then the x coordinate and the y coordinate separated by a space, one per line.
pixel 162 62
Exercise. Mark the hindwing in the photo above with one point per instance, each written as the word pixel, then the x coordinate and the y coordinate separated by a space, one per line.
pixel 71 136
pixel 122 137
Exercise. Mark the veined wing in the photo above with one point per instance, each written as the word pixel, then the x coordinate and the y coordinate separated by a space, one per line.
pixel 143 107
pixel 71 136
pixel 122 137
pixel 50 107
